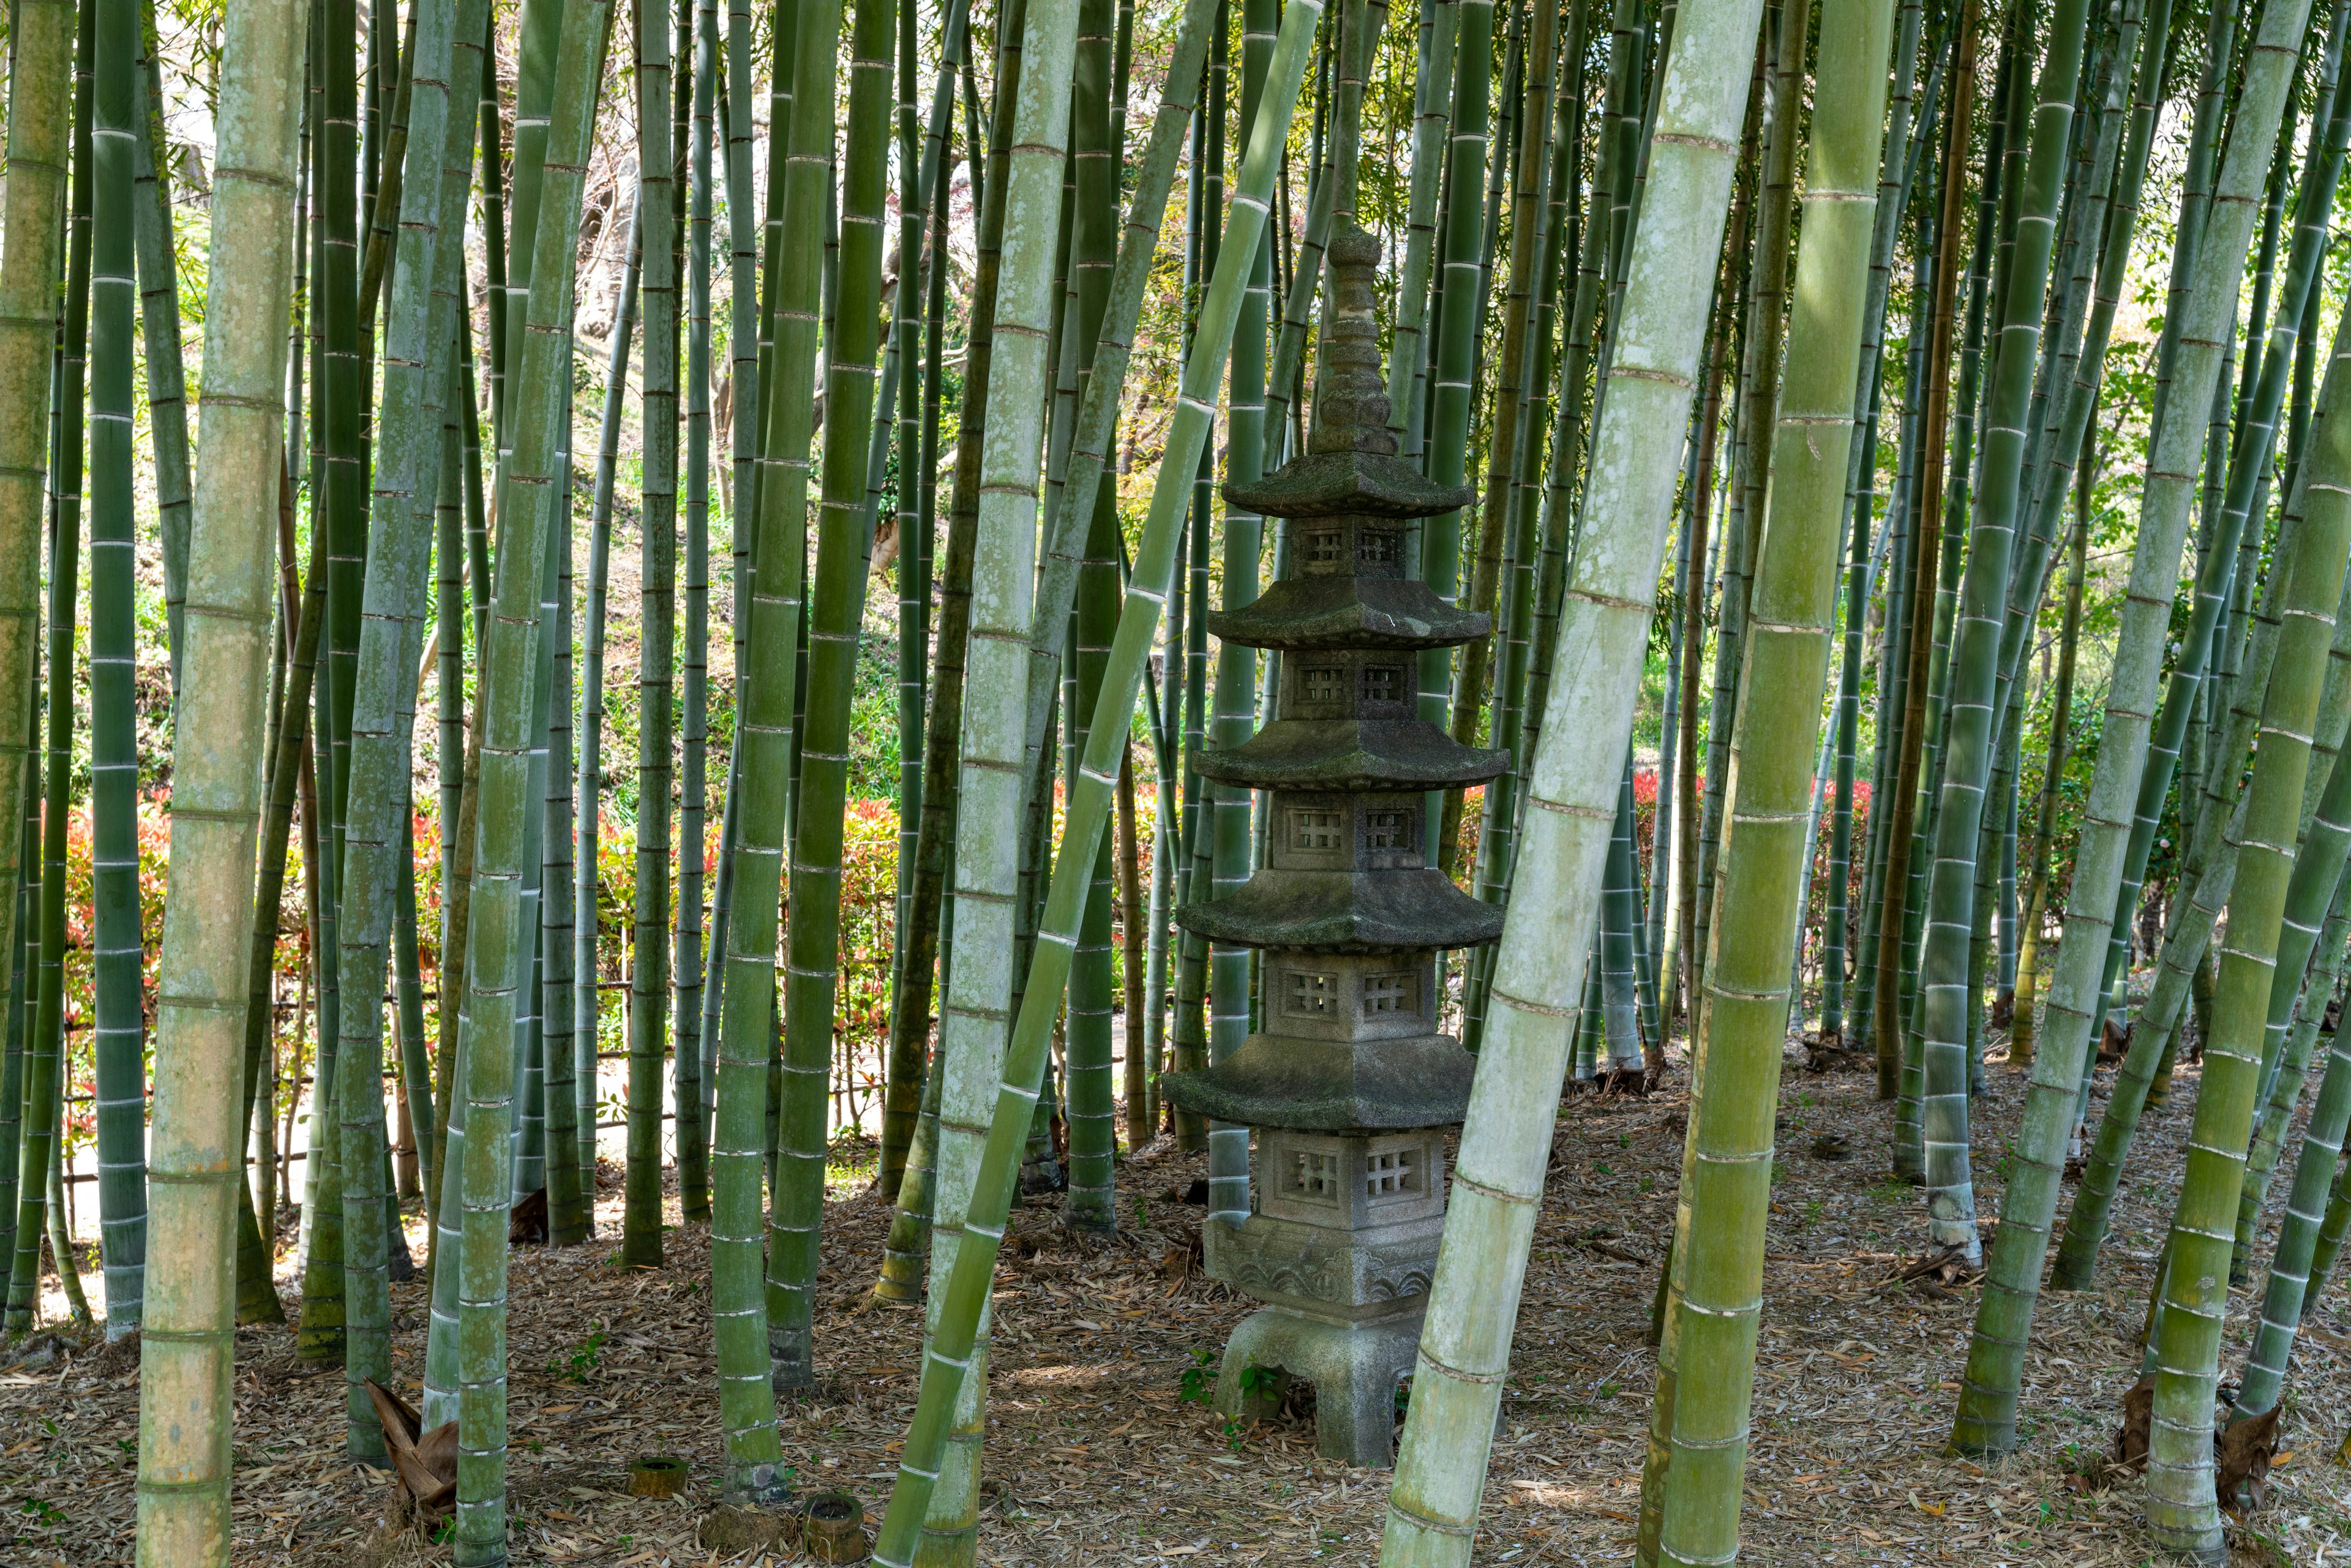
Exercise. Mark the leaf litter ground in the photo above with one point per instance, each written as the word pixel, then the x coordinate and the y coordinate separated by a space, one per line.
pixel 1096 1456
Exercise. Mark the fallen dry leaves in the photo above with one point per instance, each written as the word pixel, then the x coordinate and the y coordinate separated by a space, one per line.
pixel 1095 1457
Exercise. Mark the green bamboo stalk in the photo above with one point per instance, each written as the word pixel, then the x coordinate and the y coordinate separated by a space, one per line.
pixel 185 1352
pixel 835 608
pixel 1458 329
pixel 1603 637
pixel 1760 335
pixel 159 323
pixel 2076 997
pixel 497 965
pixel 2053 773
pixel 1743 1021
pixel 697 19
pixel 45 1053
pixel 26 900
pixel 2208 859
pixel 2182 1515
pixel 587 971
pixel 907 1058
pixel 340 415
pixel 1896 907
pixel 119 126
pixel 2292 1283
pixel 1092 203
pixel 751 1329
pixel 61 1243
pixel 404 492
pixel 967 1260
pixel 693 694
pixel 40 42
pixel 2196 195
pixel 649 999
pixel 302 608
pixel 1944 969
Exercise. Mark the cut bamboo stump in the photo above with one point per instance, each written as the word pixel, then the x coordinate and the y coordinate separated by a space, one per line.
pixel 835 1529
pixel 657 1475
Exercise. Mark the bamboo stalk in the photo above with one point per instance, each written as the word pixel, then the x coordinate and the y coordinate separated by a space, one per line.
pixel 2076 997
pixel 967 1260
pixel 1604 624
pixel 185 1355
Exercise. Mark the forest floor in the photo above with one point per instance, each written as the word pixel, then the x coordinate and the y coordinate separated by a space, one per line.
pixel 1095 1456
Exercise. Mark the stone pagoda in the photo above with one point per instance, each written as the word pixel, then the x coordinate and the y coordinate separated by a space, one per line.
pixel 1348 1086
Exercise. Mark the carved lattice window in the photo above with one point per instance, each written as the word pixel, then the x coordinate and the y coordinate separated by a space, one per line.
pixel 1324 547
pixel 1391 1175
pixel 1376 546
pixel 1313 1176
pixel 1325 682
pixel 1389 993
pixel 1312 994
pixel 1387 830
pixel 1383 683
pixel 1316 830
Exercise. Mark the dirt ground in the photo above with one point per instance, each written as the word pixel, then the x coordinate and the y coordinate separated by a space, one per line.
pixel 1096 1456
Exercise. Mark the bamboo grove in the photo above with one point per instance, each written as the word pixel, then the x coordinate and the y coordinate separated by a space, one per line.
pixel 1839 387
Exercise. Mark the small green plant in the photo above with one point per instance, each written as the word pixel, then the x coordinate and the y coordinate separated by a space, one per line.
pixel 1259 1382
pixel 1141 1214
pixel 1649 1184
pixel 1599 1167
pixel 42 1510
pixel 1200 1377
pixel 1232 1435
pixel 583 1359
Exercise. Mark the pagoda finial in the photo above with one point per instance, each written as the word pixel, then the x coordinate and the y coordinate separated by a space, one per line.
pixel 1352 410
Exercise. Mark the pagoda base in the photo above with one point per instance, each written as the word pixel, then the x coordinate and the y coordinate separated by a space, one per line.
pixel 1355 1368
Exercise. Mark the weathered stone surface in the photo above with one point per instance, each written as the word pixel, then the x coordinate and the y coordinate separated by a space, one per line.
pixel 1354 1370
pixel 1346 912
pixel 1309 1268
pixel 1290 1081
pixel 1335 484
pixel 1351 754
pixel 1332 612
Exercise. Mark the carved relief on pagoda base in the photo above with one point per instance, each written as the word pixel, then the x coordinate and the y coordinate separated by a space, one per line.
pixel 1336 1276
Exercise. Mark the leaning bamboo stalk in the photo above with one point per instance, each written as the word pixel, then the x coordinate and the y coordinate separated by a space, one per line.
pixel 1767 839
pixel 2021 1028
pixel 1753 419
pixel 1943 979
pixel 498 961
pixel 159 324
pixel 404 494
pixel 2206 791
pixel 966 1260
pixel 185 1355
pixel 2076 997
pixel 2182 1515
pixel 1571 788
pixel 2293 1281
